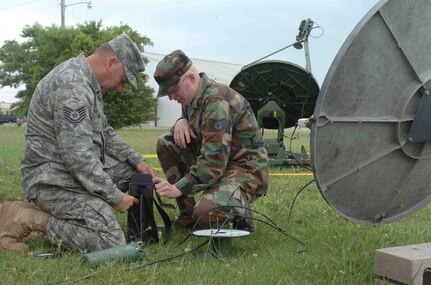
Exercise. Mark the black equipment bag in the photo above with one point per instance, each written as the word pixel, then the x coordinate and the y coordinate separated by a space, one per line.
pixel 141 224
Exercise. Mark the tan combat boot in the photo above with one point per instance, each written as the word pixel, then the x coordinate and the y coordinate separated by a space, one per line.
pixel 17 221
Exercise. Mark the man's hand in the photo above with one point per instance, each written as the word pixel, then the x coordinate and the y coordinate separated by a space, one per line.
pixel 145 168
pixel 165 189
pixel 183 133
pixel 126 202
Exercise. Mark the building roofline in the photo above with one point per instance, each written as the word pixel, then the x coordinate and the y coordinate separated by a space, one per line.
pixel 205 60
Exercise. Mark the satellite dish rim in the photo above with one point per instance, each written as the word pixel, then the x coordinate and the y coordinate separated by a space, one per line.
pixel 395 210
pixel 277 61
pixel 341 52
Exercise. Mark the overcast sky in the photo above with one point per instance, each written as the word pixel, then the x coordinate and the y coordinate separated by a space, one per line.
pixel 236 31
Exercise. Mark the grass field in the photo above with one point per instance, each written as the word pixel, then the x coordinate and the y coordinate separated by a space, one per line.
pixel 338 251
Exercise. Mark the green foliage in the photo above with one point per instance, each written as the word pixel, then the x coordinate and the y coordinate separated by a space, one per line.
pixel 339 251
pixel 128 108
pixel 43 48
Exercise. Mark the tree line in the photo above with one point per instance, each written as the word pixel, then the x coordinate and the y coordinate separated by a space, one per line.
pixel 24 64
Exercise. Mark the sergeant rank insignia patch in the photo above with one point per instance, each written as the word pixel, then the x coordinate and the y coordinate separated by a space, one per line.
pixel 74 116
pixel 218 125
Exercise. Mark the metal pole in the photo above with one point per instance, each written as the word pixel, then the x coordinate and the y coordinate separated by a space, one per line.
pixel 63 10
pixel 244 67
pixel 307 56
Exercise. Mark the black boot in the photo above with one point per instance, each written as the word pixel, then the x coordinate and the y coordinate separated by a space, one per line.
pixel 244 223
pixel 184 219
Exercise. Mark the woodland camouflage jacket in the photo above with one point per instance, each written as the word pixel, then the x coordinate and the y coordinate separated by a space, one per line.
pixel 229 139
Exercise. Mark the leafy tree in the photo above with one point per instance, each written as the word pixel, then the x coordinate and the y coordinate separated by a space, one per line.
pixel 26 63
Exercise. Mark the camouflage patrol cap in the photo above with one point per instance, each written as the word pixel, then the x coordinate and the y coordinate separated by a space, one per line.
pixel 128 53
pixel 169 71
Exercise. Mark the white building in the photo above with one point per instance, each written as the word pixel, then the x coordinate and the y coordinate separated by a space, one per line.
pixel 169 111
pixel 5 107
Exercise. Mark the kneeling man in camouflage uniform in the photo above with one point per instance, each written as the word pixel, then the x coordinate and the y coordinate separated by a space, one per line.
pixel 75 165
pixel 215 148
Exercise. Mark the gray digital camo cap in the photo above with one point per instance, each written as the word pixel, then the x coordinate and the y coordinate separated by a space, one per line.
pixel 128 53
pixel 169 71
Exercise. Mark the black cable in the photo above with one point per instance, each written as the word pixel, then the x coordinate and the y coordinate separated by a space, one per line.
pixel 294 199
pixel 196 248
pixel 284 232
pixel 170 257
pixel 185 239
pixel 273 225
pixel 196 224
pixel 268 221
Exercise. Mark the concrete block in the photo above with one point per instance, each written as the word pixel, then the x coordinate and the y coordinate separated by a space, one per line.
pixel 410 264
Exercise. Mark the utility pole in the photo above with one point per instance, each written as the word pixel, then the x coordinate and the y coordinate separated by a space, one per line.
pixel 63 9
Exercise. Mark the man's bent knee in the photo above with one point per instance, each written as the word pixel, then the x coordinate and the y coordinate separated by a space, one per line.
pixel 207 213
pixel 73 236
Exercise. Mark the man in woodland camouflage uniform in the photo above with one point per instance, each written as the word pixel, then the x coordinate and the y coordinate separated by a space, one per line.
pixel 76 166
pixel 215 148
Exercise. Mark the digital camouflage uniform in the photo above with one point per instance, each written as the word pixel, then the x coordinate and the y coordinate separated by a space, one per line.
pixel 227 162
pixel 75 164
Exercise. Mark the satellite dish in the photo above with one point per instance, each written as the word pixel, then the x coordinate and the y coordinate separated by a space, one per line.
pixel 366 165
pixel 293 89
pixel 279 94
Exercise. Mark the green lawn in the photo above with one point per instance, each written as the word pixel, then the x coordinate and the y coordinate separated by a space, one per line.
pixel 339 252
